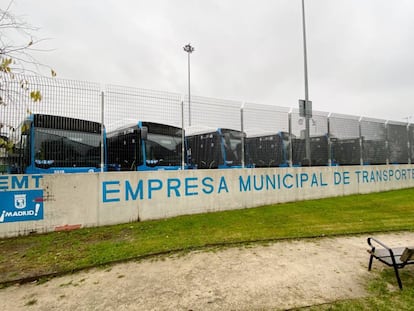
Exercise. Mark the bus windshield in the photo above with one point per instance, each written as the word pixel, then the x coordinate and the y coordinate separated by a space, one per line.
pixel 65 148
pixel 232 146
pixel 163 145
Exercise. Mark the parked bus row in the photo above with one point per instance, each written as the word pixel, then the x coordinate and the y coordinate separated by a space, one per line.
pixel 56 144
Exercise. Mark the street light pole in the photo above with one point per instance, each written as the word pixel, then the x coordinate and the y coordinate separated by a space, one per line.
pixel 189 49
pixel 307 134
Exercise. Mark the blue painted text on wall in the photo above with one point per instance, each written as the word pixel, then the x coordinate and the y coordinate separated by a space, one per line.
pixel 114 191
pixel 372 176
pixel 13 182
pixel 126 190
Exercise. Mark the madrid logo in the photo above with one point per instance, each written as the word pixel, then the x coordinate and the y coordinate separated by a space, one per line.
pixel 16 206
pixel 20 201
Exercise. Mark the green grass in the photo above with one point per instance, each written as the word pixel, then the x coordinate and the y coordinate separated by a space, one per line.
pixel 61 252
pixel 384 295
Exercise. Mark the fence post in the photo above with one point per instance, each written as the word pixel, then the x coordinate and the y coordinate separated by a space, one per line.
pixel 387 145
pixel 182 137
pixel 361 145
pixel 410 159
pixel 329 140
pixel 102 132
pixel 290 139
pixel 242 134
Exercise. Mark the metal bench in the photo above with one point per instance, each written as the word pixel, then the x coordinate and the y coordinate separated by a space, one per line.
pixel 397 257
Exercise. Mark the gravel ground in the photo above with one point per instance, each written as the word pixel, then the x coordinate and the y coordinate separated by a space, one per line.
pixel 281 275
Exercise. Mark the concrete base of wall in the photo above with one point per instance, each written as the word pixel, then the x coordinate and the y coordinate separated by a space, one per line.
pixel 34 203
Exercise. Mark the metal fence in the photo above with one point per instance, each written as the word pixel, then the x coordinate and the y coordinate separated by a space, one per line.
pixel 335 139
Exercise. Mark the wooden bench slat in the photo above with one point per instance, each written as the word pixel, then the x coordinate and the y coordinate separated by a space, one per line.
pixel 408 254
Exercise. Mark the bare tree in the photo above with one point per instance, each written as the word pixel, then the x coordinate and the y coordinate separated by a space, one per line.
pixel 17 46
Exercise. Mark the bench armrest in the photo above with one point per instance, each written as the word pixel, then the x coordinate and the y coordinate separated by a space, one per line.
pixel 377 254
pixel 379 243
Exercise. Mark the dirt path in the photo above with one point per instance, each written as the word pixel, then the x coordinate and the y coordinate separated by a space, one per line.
pixel 282 275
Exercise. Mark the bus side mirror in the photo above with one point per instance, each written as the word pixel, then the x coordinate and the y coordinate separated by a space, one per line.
pixel 144 133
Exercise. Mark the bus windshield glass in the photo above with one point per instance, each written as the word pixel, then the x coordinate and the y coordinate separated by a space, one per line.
pixel 64 148
pixel 163 145
pixel 232 145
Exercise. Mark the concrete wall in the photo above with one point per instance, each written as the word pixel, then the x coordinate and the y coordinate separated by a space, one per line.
pixel 62 202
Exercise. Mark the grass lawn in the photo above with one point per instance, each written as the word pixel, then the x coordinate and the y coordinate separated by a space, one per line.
pixel 381 298
pixel 61 252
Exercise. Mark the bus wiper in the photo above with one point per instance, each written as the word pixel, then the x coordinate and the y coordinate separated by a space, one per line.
pixel 153 163
pixel 44 163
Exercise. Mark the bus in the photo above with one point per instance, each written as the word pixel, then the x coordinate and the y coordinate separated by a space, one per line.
pixel 267 149
pixel 56 144
pixel 146 146
pixel 4 141
pixel 211 148
pixel 346 151
pixel 319 151
pixel 374 151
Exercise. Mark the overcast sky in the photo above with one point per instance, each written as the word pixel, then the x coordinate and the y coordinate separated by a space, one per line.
pixel 360 52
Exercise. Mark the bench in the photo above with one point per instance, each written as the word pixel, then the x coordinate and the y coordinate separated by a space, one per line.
pixel 397 257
